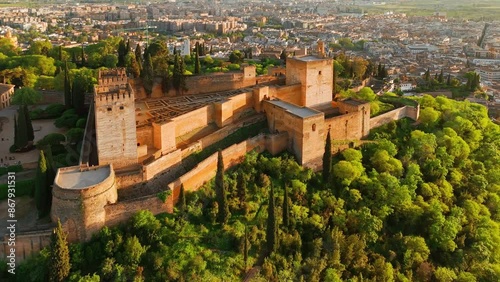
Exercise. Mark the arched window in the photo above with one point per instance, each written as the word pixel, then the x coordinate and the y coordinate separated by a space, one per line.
pixel 314 127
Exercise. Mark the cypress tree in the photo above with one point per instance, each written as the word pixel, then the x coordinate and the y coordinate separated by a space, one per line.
pixel 59 265
pixel 41 195
pixel 127 49
pixel 178 78
pixel 50 176
pixel 272 229
pixel 147 75
pixel 220 189
pixel 134 68
pixel 138 55
pixel 122 51
pixel 469 84
pixel 182 199
pixel 286 208
pixel 245 248
pixel 427 75
pixel 22 129
pixel 73 57
pixel 197 66
pixel 83 57
pixel 67 86
pixel 60 54
pixel 15 132
pixel 441 77
pixel 242 188
pixel 29 125
pixel 448 80
pixel 327 157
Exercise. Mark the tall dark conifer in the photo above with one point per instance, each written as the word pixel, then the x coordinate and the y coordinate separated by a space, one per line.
pixel 245 248
pixel 327 157
pixel 138 56
pixel 122 52
pixel 60 53
pixel 242 188
pixel 29 125
pixel 74 58
pixel 15 131
pixel 84 62
pixel 41 191
pixel 59 264
pixel 286 208
pixel 272 228
pixel 22 129
pixel 197 66
pixel 448 80
pixel 147 74
pixel 441 76
pixel 220 188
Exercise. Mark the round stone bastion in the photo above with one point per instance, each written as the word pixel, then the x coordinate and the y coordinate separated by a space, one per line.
pixel 79 195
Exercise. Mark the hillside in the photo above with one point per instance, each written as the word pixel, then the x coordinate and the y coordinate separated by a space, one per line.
pixel 421 203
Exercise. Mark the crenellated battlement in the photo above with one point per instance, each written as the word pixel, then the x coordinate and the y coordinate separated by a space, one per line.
pixel 112 77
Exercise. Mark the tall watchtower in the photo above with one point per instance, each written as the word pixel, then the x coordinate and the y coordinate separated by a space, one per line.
pixel 114 107
pixel 316 77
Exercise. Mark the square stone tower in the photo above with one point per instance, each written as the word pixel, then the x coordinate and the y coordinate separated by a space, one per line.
pixel 316 77
pixel 114 107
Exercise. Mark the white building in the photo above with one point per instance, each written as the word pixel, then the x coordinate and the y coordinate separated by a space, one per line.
pixel 407 87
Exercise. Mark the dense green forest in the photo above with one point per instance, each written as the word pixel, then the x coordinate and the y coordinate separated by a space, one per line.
pixel 421 203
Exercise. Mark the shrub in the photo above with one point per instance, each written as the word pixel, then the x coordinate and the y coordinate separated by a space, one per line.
pixel 23 187
pixel 12 168
pixel 81 123
pixel 54 110
pixel 36 114
pixel 51 139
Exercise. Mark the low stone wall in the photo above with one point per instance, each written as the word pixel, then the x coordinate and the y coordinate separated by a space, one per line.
pixel 225 131
pixel 27 244
pixel 124 180
pixel 122 211
pixel 169 160
pixel 397 114
pixel 51 97
pixel 203 172
pixel 233 155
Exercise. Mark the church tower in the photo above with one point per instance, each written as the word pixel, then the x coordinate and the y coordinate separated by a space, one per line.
pixel 114 108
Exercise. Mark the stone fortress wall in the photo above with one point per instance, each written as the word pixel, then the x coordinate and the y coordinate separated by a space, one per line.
pixel 195 178
pixel 293 123
pixel 207 83
pixel 79 195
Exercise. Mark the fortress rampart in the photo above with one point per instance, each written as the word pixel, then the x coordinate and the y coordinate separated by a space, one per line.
pixel 79 195
pixel 397 114
pixel 85 199
pixel 195 178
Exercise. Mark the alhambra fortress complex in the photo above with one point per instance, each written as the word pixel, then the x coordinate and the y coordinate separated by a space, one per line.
pixel 134 146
